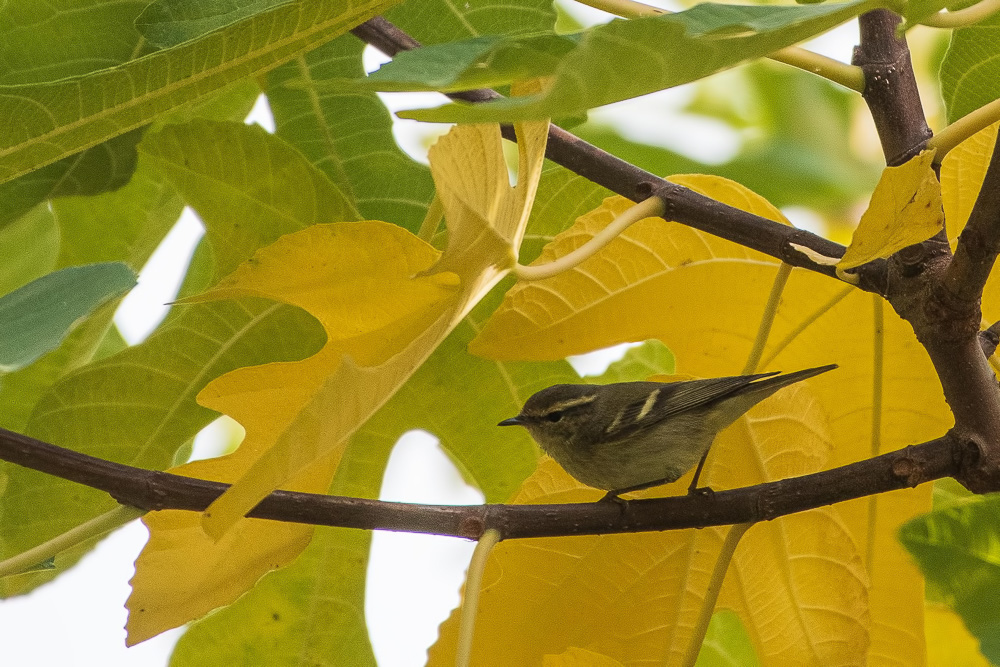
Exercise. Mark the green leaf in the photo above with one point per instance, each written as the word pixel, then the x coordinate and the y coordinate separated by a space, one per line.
pixel 349 137
pixel 970 72
pixel 29 247
pixel 103 168
pixel 727 643
pixel 270 188
pixel 47 40
pixel 125 225
pixel 275 622
pixel 250 188
pixel 168 23
pixel 958 549
pixel 35 318
pixel 639 363
pixel 674 49
pixel 50 120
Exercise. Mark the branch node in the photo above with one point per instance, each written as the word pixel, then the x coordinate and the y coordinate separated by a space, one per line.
pixel 912 259
pixel 644 189
pixel 989 339
pixel 905 468
pixel 472 527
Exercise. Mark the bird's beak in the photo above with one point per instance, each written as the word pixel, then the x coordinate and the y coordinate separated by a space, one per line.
pixel 513 421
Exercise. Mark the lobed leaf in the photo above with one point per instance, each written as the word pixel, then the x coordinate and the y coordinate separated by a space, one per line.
pixel 667 281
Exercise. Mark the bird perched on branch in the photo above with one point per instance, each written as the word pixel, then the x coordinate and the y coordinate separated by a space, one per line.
pixel 629 436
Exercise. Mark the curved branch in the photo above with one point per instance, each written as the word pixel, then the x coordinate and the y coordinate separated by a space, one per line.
pixel 682 205
pixel 946 456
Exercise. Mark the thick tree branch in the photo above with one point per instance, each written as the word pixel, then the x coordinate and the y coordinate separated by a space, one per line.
pixel 682 205
pixel 154 490
pixel 890 87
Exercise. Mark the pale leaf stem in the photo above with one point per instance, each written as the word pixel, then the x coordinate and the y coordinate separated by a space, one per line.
pixel 27 560
pixel 963 17
pixel 712 594
pixel 647 208
pixel 963 128
pixel 470 601
pixel 846 75
pixel 767 318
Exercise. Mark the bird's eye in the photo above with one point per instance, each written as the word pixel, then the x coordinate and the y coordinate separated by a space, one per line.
pixel 554 416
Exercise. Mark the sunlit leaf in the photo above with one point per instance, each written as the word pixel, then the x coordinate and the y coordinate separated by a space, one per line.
pixel 299 415
pixel 962 172
pixel 905 209
pixel 557 593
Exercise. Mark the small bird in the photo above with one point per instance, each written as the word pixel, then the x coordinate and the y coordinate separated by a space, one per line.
pixel 629 436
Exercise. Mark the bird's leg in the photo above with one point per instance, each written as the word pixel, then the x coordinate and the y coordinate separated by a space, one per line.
pixel 693 489
pixel 612 495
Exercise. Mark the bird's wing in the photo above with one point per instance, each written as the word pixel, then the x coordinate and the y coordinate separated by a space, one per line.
pixel 672 398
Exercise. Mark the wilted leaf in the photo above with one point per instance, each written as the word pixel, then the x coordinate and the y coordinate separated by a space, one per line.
pixel 905 209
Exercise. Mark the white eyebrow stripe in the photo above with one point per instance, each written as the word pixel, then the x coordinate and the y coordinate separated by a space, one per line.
pixel 648 405
pixel 572 403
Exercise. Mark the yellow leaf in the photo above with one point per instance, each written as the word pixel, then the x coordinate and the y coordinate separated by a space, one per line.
pixel 578 657
pixel 386 300
pixel 703 297
pixel 538 319
pixel 905 209
pixel 483 214
pixel 635 598
pixel 962 172
pixel 949 642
